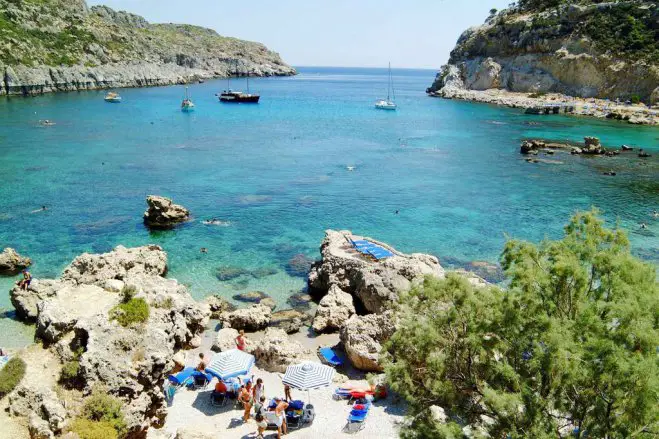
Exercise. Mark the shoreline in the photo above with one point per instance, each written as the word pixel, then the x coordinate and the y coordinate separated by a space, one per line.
pixel 556 103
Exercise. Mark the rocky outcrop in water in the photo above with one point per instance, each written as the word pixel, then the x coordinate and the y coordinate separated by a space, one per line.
pixel 131 361
pixel 59 45
pixel 12 263
pixel 374 284
pixel 575 49
pixel 162 213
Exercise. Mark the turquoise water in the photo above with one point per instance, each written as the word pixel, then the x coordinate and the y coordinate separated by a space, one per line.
pixel 276 173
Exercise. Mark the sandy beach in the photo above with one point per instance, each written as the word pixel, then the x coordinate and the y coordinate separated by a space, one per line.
pixel 191 410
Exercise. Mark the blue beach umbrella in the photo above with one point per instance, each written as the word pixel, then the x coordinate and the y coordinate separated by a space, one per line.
pixel 230 364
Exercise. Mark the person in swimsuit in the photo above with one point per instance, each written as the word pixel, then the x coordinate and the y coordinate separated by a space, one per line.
pixel 287 393
pixel 241 341
pixel 259 390
pixel 25 282
pixel 280 411
pixel 202 362
pixel 245 396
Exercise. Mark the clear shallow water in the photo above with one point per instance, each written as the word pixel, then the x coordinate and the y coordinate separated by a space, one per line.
pixel 277 173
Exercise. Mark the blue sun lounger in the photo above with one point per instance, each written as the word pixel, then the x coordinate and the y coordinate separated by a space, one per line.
pixel 329 356
pixel 356 421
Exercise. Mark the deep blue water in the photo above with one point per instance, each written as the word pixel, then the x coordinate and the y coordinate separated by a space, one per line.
pixel 276 172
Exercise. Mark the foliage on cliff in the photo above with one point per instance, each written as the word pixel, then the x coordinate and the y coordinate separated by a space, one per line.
pixel 66 32
pixel 568 351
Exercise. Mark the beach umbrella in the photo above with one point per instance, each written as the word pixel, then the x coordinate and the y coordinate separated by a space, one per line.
pixel 230 364
pixel 308 375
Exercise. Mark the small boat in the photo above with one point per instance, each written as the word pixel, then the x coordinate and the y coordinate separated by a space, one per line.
pixel 187 105
pixel 388 104
pixel 113 97
pixel 238 97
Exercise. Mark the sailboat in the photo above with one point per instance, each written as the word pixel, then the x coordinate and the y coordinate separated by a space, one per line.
pixel 230 96
pixel 187 105
pixel 388 104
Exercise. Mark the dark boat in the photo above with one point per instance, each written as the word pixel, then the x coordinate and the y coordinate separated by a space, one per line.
pixel 231 96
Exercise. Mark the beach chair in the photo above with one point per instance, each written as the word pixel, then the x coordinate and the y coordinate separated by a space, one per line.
pixel 356 421
pixel 200 380
pixel 218 399
pixel 328 356
pixel 183 378
pixel 341 394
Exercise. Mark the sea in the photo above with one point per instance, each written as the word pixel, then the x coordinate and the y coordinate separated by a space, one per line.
pixel 436 176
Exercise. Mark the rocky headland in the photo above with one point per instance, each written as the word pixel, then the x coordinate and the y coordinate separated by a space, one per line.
pixel 575 57
pixel 57 45
pixel 12 263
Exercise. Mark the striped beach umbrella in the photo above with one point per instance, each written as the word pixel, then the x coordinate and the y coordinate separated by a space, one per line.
pixel 230 364
pixel 308 375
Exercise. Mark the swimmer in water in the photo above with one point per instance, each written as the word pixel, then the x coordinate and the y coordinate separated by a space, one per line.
pixel 43 208
pixel 643 226
pixel 204 250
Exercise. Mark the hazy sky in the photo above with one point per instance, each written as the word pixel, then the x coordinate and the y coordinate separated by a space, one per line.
pixel 409 33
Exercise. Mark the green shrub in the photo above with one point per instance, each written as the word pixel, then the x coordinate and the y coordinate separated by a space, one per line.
pixel 131 312
pixel 636 99
pixel 128 292
pixel 87 429
pixel 70 371
pixel 11 375
pixel 101 407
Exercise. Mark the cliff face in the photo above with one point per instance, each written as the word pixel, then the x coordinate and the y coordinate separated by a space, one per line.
pixel 606 50
pixel 60 45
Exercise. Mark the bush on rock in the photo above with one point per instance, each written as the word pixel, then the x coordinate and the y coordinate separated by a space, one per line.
pixel 11 375
pixel 86 429
pixel 134 311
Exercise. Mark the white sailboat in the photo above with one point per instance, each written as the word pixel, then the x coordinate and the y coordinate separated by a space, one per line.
pixel 187 105
pixel 388 104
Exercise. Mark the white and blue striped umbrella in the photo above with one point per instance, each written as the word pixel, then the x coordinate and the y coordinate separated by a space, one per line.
pixel 230 364
pixel 308 375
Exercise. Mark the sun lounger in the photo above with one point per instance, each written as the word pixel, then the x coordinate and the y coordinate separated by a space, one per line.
pixel 356 421
pixel 329 356
pixel 182 378
pixel 200 380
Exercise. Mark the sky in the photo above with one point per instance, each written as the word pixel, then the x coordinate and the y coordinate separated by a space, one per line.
pixel 347 33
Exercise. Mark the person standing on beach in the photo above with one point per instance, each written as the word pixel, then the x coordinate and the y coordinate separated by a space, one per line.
pixel 245 396
pixel 241 341
pixel 280 411
pixel 259 390
pixel 287 393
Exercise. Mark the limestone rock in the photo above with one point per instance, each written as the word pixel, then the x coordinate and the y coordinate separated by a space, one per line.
pixel 192 433
pixel 275 351
pixel 122 262
pixel 42 406
pixel 290 320
pixel 300 301
pixel 12 263
pixel 363 337
pixel 374 283
pixel 333 310
pixel 162 213
pixel 256 297
pixel 26 301
pixel 226 340
pixel 252 318
pixel 592 145
pixel 218 306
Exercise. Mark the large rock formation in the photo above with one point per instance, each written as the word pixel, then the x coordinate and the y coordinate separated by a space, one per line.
pixel 12 263
pixel 162 213
pixel 42 406
pixel 375 284
pixel 253 318
pixel 363 337
pixel 275 351
pixel 578 50
pixel 60 45
pixel 333 310
pixel 130 362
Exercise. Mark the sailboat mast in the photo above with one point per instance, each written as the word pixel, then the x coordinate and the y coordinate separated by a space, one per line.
pixel 389 84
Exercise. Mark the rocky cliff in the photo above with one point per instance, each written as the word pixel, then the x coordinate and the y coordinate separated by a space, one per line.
pixel 61 45
pixel 578 48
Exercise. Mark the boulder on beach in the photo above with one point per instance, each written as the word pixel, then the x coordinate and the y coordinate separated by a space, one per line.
pixel 11 263
pixel 226 340
pixel 290 320
pixel 162 213
pixel 374 283
pixel 252 318
pixel 130 362
pixel 363 337
pixel 334 309
pixel 275 351
pixel 218 306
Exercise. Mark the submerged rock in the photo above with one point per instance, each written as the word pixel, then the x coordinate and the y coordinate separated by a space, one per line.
pixel 333 310
pixel 11 263
pixel 363 337
pixel 300 301
pixel 251 296
pixel 162 213
pixel 230 273
pixel 375 284
pixel 299 265
pixel 289 320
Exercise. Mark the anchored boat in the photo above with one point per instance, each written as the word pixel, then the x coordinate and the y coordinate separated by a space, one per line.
pixel 187 105
pixel 388 104
pixel 237 97
pixel 113 97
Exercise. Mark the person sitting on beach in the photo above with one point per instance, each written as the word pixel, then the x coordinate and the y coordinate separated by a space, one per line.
pixel 241 341
pixel 261 425
pixel 287 393
pixel 280 411
pixel 25 282
pixel 245 396
pixel 221 388
pixel 202 362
